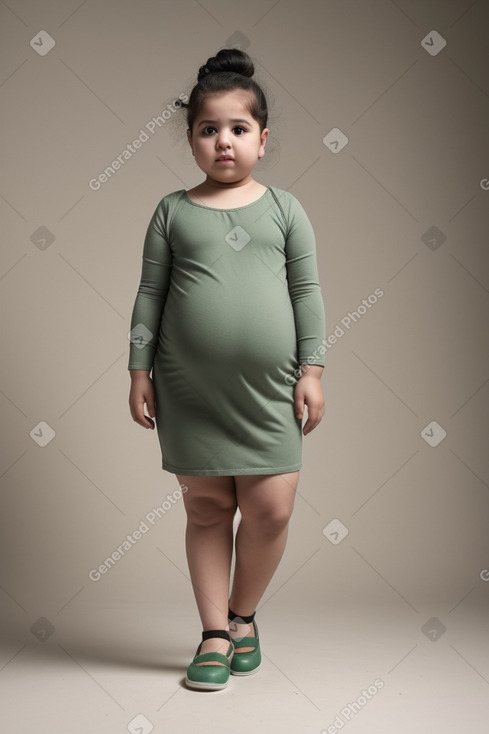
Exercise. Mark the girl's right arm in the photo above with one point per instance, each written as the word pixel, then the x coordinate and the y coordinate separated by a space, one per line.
pixel 147 313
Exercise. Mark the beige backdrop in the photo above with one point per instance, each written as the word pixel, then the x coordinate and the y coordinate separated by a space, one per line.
pixel 379 119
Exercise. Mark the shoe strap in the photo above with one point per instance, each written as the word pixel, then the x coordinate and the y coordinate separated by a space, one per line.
pixel 241 620
pixel 207 634
pixel 246 642
pixel 211 657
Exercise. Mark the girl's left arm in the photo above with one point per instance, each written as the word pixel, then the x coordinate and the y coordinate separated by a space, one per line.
pixel 308 306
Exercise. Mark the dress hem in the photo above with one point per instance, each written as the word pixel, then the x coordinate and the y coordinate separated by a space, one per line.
pixel 230 472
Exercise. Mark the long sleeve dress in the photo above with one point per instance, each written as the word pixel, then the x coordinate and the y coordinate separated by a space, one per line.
pixel 228 306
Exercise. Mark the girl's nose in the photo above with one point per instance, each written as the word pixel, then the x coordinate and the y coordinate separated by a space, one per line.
pixel 223 140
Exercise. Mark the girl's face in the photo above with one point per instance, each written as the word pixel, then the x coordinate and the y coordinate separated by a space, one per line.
pixel 224 126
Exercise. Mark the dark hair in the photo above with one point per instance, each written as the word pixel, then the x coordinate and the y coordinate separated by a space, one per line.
pixel 228 70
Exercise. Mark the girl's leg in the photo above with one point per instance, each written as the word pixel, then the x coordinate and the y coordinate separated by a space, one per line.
pixel 210 504
pixel 266 503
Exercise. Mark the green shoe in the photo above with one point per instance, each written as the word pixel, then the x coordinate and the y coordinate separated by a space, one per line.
pixel 210 677
pixel 245 663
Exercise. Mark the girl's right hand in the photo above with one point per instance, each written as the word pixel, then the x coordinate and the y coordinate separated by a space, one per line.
pixel 142 391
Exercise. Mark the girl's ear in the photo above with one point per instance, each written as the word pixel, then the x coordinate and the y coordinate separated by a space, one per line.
pixel 263 139
pixel 189 138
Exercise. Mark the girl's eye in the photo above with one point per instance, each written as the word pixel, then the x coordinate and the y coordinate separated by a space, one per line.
pixel 204 131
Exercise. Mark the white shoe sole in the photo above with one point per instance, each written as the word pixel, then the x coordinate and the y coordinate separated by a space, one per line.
pixel 248 672
pixel 202 686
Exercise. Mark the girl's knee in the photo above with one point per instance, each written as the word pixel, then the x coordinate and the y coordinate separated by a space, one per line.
pixel 268 518
pixel 209 500
pixel 207 511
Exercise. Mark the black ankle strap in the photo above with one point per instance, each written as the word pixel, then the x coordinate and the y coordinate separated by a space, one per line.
pixel 241 620
pixel 206 634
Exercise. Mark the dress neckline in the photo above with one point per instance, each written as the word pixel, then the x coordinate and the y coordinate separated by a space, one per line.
pixel 221 209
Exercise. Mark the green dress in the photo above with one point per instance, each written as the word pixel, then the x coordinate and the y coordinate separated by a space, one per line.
pixel 229 305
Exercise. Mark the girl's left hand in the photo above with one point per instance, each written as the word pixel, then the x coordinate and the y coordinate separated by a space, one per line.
pixel 309 391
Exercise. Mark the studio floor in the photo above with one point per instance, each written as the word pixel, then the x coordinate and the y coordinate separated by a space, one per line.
pixel 326 668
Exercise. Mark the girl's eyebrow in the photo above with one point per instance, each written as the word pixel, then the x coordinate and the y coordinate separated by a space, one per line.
pixel 214 122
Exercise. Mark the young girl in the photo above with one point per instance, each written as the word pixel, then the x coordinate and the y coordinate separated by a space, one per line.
pixel 230 319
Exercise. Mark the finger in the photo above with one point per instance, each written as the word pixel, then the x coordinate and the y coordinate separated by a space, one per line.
pixel 141 418
pixel 151 406
pixel 299 406
pixel 309 425
pixel 148 423
pixel 313 420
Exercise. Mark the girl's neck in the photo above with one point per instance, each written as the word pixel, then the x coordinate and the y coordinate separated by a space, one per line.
pixel 227 197
pixel 211 185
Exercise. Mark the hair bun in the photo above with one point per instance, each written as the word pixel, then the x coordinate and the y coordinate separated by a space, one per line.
pixel 230 60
